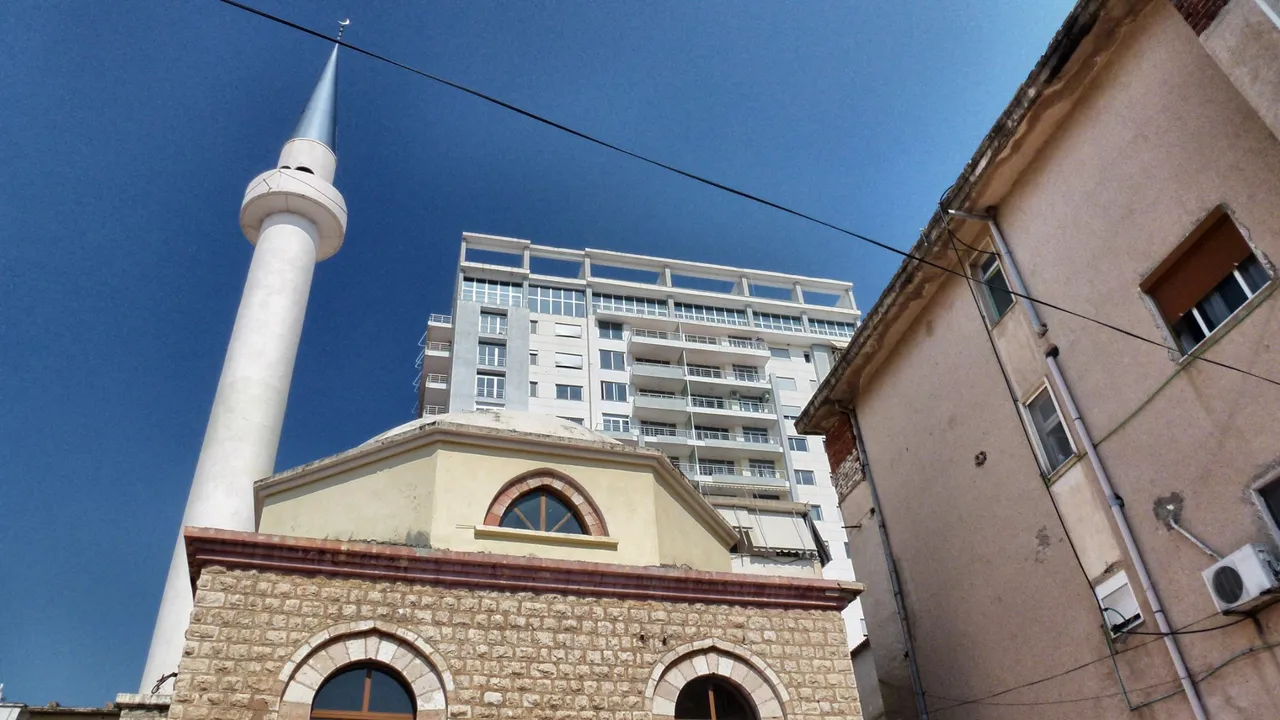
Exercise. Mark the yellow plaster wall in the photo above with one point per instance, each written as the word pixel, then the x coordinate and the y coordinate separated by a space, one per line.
pixel 438 496
pixel 388 501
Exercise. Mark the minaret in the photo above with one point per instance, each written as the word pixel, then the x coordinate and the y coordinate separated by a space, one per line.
pixel 294 217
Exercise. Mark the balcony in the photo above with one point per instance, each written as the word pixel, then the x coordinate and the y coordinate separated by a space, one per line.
pixel 440 328
pixel 491 393
pixel 716 473
pixel 651 405
pixel 714 377
pixel 429 410
pixel 437 381
pixel 746 442
pixel 707 349
pixel 729 406
pixel 491 363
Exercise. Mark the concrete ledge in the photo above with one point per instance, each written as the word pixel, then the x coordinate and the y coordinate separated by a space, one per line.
pixel 493 532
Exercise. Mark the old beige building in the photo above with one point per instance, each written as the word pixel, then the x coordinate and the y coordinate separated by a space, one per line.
pixel 497 564
pixel 1057 519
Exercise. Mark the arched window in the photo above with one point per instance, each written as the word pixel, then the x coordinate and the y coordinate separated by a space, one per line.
pixel 363 692
pixel 711 698
pixel 544 511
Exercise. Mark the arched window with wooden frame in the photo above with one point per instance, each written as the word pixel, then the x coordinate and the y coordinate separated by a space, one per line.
pixel 544 511
pixel 546 500
pixel 366 691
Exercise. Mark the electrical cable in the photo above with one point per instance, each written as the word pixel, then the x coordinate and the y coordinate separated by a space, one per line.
pixel 719 186
pixel 1200 678
pixel 1084 665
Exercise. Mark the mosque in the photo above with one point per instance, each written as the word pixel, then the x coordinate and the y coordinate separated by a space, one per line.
pixel 484 564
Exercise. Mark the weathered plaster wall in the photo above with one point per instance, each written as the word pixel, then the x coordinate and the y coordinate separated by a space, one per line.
pixel 1245 42
pixel 995 595
pixel 1159 140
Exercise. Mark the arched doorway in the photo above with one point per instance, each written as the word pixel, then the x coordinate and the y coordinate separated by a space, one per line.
pixel 713 698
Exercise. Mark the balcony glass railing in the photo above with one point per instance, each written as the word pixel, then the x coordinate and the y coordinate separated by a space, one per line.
pixel 737 343
pixel 718 470
pixel 715 403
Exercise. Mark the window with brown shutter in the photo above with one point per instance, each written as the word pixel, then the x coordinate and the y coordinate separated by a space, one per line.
pixel 1206 279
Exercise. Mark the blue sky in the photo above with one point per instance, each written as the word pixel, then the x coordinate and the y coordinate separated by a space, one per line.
pixel 131 130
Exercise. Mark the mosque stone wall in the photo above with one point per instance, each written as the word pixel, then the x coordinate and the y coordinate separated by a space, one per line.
pixel 260 643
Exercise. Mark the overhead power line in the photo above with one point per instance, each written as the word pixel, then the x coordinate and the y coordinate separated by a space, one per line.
pixel 712 183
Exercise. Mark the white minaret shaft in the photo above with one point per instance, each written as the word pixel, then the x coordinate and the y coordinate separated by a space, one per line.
pixel 295 217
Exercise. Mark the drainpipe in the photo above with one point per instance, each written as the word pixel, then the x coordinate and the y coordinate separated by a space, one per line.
pixel 1117 511
pixel 917 687
pixel 1006 261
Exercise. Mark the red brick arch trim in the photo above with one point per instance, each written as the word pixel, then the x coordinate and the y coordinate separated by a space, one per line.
pixel 557 482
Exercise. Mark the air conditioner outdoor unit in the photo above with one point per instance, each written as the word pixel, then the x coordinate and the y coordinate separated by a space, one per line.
pixel 1243 579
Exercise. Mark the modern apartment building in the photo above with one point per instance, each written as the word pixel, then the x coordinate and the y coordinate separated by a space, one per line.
pixel 710 364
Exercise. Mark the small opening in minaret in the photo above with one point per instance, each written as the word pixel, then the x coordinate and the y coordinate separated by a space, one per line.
pixel 304 169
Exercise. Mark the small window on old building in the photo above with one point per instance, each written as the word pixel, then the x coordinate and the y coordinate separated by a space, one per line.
pixel 1269 499
pixel 542 511
pixel 1118 603
pixel 1052 438
pixel 994 292
pixel 357 692
pixel 1205 280
pixel 815 512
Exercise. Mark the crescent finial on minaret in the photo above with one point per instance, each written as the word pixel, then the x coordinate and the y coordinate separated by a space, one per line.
pixel 342 27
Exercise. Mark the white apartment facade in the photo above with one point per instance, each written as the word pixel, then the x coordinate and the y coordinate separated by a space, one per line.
pixel 710 364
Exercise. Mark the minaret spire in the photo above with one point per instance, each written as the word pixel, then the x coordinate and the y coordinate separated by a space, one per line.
pixel 294 217
pixel 319 120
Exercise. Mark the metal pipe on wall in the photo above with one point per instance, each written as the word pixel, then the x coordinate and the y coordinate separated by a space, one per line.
pixel 1117 511
pixel 917 686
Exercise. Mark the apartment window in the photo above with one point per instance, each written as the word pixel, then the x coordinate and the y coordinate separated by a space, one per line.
pixel 849 554
pixel 533 358
pixel 790 412
pixel 574 420
pixel 629 305
pixel 1052 437
pixel 533 389
pixel 808 358
pixel 708 314
pixel 755 435
pixel 569 392
pixel 493 324
pixel 613 391
pixel 815 512
pixel 785 323
pixel 798 443
pixel 717 467
pixel 616 423
pixel 613 360
pixel 705 371
pixel 780 353
pixel 533 327
pixel 490 355
pixel 805 477
pixel 1268 496
pixel 557 301
pixel 994 294
pixel 1206 281
pixel 568 330
pixel 746 373
pixel 786 383
pixel 568 360
pixel 492 292
pixel 610 330
pixel 762 468
pixel 493 387
pixel 831 328
pixel 1118 603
